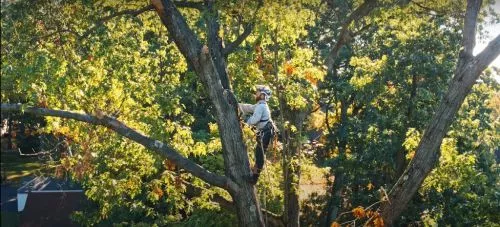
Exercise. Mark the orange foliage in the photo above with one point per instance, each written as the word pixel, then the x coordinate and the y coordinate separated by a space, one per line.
pixel 359 212
pixel 335 224
pixel 310 78
pixel 378 222
pixel 289 69
pixel 169 165
pixel 158 192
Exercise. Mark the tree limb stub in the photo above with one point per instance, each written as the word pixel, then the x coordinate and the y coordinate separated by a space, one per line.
pixel 124 130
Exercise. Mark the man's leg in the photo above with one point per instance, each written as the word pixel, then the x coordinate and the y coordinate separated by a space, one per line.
pixel 259 154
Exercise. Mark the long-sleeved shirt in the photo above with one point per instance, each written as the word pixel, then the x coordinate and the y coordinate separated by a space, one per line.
pixel 260 113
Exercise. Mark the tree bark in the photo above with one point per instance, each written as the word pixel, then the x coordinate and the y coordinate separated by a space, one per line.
pixel 467 72
pixel 124 130
pixel 334 203
pixel 215 44
pixel 236 163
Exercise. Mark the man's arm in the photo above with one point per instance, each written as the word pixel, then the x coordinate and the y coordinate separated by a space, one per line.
pixel 246 108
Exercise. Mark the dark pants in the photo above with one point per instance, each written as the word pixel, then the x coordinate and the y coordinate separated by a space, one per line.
pixel 264 138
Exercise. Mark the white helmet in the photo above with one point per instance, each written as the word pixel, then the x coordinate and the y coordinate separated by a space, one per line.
pixel 264 90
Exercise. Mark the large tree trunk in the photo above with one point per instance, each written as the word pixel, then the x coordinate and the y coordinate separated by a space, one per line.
pixel 467 72
pixel 237 166
pixel 210 68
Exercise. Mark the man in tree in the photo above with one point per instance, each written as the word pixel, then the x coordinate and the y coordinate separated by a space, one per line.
pixel 261 119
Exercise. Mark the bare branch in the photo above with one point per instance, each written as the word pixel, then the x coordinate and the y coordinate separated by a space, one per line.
pixel 344 36
pixel 117 14
pixel 232 45
pixel 247 30
pixel 34 39
pixel 124 130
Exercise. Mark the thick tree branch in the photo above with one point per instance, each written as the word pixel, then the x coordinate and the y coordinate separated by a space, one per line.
pixel 247 30
pixel 344 36
pixel 215 43
pixel 230 47
pixel 469 32
pixel 179 31
pixel 488 55
pixel 427 154
pixel 124 130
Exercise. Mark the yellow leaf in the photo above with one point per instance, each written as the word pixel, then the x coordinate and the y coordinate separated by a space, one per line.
pixel 369 186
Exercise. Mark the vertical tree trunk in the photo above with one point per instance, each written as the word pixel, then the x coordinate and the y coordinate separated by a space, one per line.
pixel 209 68
pixel 467 72
pixel 237 165
pixel 401 155
pixel 334 203
pixel 291 168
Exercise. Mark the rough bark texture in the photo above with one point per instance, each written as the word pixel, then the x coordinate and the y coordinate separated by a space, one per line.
pixel 237 166
pixel 215 44
pixel 467 72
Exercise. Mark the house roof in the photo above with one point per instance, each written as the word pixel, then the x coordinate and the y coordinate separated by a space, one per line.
pixel 50 208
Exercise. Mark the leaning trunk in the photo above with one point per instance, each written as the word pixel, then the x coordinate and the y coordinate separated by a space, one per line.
pixel 466 73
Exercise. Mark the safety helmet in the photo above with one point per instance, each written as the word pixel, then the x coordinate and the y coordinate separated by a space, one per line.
pixel 264 90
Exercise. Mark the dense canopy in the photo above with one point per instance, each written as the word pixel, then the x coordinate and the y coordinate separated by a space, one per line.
pixel 385 116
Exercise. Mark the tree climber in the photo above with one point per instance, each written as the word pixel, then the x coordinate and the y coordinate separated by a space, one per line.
pixel 261 119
